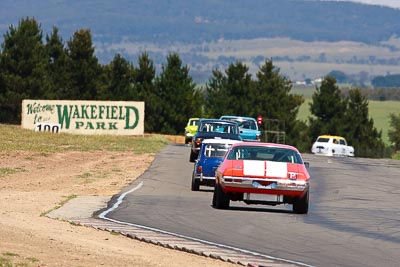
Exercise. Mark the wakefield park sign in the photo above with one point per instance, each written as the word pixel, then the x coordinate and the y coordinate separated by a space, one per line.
pixel 84 117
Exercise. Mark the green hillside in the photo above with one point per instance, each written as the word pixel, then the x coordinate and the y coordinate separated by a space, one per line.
pixel 378 110
pixel 305 39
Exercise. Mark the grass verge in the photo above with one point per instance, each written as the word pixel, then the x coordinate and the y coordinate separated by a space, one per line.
pixel 14 138
pixel 10 259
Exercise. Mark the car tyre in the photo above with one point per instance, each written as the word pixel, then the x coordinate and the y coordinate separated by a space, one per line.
pixel 195 183
pixel 300 205
pixel 192 157
pixel 221 199
pixel 214 199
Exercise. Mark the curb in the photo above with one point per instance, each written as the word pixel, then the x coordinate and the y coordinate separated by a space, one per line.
pixel 197 247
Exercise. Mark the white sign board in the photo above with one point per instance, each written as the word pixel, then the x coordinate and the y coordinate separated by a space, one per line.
pixel 84 117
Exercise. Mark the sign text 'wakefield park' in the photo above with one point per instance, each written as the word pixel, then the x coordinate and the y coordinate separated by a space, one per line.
pixel 84 117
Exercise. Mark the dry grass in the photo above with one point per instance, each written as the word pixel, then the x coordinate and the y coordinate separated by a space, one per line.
pixel 15 138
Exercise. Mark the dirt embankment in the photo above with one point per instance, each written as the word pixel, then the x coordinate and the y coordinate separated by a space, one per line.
pixel 33 184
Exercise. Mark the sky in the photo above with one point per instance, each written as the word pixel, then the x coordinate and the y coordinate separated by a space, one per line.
pixel 390 3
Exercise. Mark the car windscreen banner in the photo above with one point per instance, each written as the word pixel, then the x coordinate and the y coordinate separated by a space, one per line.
pixel 84 117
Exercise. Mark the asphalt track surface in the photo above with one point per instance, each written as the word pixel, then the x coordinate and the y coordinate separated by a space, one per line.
pixel 353 220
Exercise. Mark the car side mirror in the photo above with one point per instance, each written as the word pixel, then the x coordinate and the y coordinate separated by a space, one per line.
pixel 307 164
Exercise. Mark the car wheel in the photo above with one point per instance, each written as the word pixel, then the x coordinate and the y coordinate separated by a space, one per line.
pixel 195 183
pixel 214 199
pixel 192 157
pixel 221 200
pixel 300 205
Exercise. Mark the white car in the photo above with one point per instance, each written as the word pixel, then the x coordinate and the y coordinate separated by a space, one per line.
pixel 330 145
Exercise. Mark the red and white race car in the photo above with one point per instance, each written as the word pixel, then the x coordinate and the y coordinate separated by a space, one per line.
pixel 262 173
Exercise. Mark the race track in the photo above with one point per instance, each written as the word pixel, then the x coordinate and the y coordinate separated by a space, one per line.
pixel 354 218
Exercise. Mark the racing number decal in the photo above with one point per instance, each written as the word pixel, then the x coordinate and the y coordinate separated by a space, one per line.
pixel 47 127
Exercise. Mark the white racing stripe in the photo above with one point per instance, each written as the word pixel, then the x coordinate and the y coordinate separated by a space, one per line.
pixel 122 196
pixel 276 169
pixel 253 168
pixel 264 168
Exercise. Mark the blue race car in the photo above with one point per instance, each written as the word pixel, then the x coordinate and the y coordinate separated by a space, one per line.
pixel 211 154
pixel 213 128
pixel 247 126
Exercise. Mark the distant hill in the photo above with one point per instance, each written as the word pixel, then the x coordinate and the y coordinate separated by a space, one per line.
pixel 198 21
pixel 162 23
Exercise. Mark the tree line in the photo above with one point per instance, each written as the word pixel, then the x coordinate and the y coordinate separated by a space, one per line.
pixel 33 66
pixel 385 87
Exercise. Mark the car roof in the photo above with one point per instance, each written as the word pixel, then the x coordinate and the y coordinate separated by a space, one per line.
pixel 237 117
pixel 218 120
pixel 220 141
pixel 331 136
pixel 262 144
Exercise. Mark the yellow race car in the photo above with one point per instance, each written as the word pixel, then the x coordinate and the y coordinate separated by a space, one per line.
pixel 191 129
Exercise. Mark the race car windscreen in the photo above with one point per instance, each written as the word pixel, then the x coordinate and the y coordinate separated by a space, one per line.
pixel 263 153
pixel 219 128
pixel 216 150
pixel 248 124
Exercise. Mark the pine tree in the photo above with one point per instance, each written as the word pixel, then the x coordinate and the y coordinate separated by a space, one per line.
pixel 216 95
pixel 86 73
pixel 275 103
pixel 328 109
pixel 394 131
pixel 176 89
pixel 119 81
pixel 239 84
pixel 58 71
pixel 144 76
pixel 23 66
pixel 359 128
pixel 232 93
